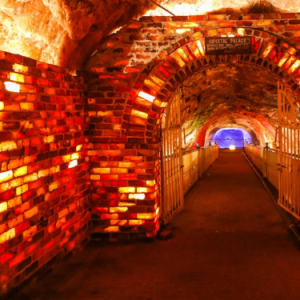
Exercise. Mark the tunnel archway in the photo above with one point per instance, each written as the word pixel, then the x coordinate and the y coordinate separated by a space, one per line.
pixel 137 86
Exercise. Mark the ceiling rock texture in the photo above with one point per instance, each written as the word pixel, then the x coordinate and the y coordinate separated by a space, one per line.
pixel 65 32
pixel 230 96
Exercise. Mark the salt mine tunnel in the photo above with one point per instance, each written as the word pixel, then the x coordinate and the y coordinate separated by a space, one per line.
pixel 149 149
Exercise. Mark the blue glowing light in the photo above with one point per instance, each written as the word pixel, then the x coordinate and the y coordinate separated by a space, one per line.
pixel 227 137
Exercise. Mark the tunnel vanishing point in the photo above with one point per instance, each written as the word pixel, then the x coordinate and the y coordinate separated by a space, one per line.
pixel 100 100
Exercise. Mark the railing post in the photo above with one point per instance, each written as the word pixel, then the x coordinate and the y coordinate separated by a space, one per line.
pixel 265 165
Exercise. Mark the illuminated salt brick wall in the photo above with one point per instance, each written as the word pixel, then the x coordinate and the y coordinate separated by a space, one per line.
pixel 132 77
pixel 44 166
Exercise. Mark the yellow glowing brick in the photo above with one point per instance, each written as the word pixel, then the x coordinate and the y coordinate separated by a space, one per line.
pixel 127 189
pixel 5 176
pixel 126 204
pixel 31 177
pixel 3 207
pixel 30 213
pixel 75 156
pixel 27 106
pixel 20 172
pixel 66 158
pixel 150 182
pixel 12 87
pixel 7 146
pixel 22 189
pixel 136 197
pixel 78 147
pixel 20 69
pixel 146 216
pixel 73 164
pixel 43 173
pixel 1 105
pixel 8 235
pixel 142 190
pixel 146 96
pixel 101 170
pixel 16 77
pixel 49 139
pixel 16 182
pixel 136 222
pixel 118 209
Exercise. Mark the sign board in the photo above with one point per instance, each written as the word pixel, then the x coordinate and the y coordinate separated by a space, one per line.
pixel 228 45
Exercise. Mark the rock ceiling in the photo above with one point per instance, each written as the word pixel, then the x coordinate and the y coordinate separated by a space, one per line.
pixel 65 32
pixel 230 96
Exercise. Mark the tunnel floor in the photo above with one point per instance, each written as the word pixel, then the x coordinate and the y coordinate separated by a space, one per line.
pixel 229 243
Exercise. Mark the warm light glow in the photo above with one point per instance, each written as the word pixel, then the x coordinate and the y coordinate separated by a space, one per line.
pixel 232 147
pixel 136 197
pixel 8 235
pixel 12 87
pixel 146 96
pixel 3 207
pixel 6 176
pixel 7 146
pixel 73 164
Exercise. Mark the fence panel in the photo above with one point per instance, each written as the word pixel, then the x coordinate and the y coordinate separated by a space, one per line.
pixel 196 162
pixel 266 161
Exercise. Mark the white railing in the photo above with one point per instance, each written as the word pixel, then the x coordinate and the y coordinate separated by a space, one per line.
pixel 266 161
pixel 196 162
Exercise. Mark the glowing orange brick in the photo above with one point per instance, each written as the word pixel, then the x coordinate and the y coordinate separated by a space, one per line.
pixel 111 229
pixel 22 189
pixel 118 209
pixel 268 50
pixel 109 216
pixel 27 106
pixel 136 222
pixel 30 213
pixel 127 190
pixel 29 232
pixel 14 202
pixel 31 177
pixel 146 216
pixel 178 59
pixel 8 146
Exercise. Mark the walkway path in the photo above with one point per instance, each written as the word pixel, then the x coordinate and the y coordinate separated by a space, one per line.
pixel 229 243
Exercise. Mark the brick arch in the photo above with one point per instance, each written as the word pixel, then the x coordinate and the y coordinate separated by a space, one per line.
pixel 167 75
pixel 124 144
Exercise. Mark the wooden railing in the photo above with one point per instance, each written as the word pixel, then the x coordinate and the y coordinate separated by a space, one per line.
pixel 196 162
pixel 266 161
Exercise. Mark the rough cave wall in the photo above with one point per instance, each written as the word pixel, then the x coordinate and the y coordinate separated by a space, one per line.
pixel 65 33
pixel 132 77
pixel 44 168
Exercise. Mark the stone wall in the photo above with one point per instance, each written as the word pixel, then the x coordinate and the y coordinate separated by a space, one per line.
pixel 44 167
